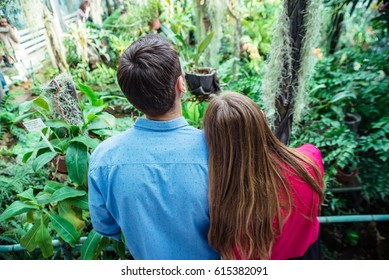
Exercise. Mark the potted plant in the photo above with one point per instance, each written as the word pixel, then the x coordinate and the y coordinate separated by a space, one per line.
pixel 352 120
pixel 202 81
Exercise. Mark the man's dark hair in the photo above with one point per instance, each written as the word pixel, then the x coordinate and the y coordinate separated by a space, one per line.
pixel 147 74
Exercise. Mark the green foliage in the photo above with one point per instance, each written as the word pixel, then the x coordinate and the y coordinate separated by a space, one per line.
pixel 47 210
pixel 193 112
pixel 351 81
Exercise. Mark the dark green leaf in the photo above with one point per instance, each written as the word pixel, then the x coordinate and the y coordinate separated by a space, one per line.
pixel 87 141
pixel 203 45
pixel 52 186
pixel 27 156
pixel 90 245
pixel 43 159
pixel 64 228
pixel 64 193
pixel 80 202
pixel 16 208
pixel 77 162
pixel 27 195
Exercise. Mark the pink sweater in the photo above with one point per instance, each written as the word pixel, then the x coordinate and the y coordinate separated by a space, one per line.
pixel 299 232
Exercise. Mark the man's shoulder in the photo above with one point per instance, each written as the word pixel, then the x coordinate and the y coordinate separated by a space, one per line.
pixel 107 148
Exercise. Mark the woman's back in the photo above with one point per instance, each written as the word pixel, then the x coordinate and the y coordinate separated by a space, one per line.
pixel 264 197
pixel 301 229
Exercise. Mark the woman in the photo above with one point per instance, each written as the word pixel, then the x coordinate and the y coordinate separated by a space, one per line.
pixel 264 197
pixel 83 11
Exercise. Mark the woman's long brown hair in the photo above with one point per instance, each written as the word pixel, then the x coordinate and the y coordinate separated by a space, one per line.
pixel 247 177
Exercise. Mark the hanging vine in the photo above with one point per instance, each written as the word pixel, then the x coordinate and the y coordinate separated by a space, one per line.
pixel 290 65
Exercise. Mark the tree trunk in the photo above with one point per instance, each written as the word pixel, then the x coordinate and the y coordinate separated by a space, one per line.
pixel 295 10
pixel 53 32
pixel 96 12
pixel 237 37
pixel 109 8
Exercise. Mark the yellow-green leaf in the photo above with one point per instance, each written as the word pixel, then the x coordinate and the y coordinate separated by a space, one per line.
pixel 66 211
pixel 44 241
pixel 28 241
pixel 64 228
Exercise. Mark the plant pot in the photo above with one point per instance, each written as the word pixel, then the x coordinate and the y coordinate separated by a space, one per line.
pixel 350 179
pixel 203 82
pixel 352 120
pixel 60 164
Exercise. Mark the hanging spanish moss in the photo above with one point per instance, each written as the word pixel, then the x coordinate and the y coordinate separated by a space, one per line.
pixel 313 21
pixel 279 57
pixel 290 65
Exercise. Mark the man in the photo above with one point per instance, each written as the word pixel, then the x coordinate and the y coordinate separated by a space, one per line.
pixel 150 182
pixel 15 53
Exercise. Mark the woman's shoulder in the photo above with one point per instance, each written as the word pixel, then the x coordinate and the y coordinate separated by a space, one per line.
pixel 314 153
pixel 309 149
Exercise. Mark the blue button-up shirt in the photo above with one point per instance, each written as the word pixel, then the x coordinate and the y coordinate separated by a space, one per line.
pixel 150 182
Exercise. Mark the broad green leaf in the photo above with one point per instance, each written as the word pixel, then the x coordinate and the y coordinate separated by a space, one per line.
pixel 87 91
pixel 52 186
pixel 108 119
pixel 203 45
pixel 16 208
pixel 24 107
pixel 64 228
pixel 27 195
pixel 43 198
pixel 90 245
pixel 64 193
pixel 77 162
pixel 28 240
pixel 43 159
pixel 66 211
pixel 44 241
pixel 56 124
pixel 87 141
pixel 41 102
pixel 80 202
pixel 27 156
pixel 22 117
pixel 342 95
pixel 97 124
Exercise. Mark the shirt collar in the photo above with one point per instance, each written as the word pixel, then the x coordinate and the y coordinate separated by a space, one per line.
pixel 160 125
